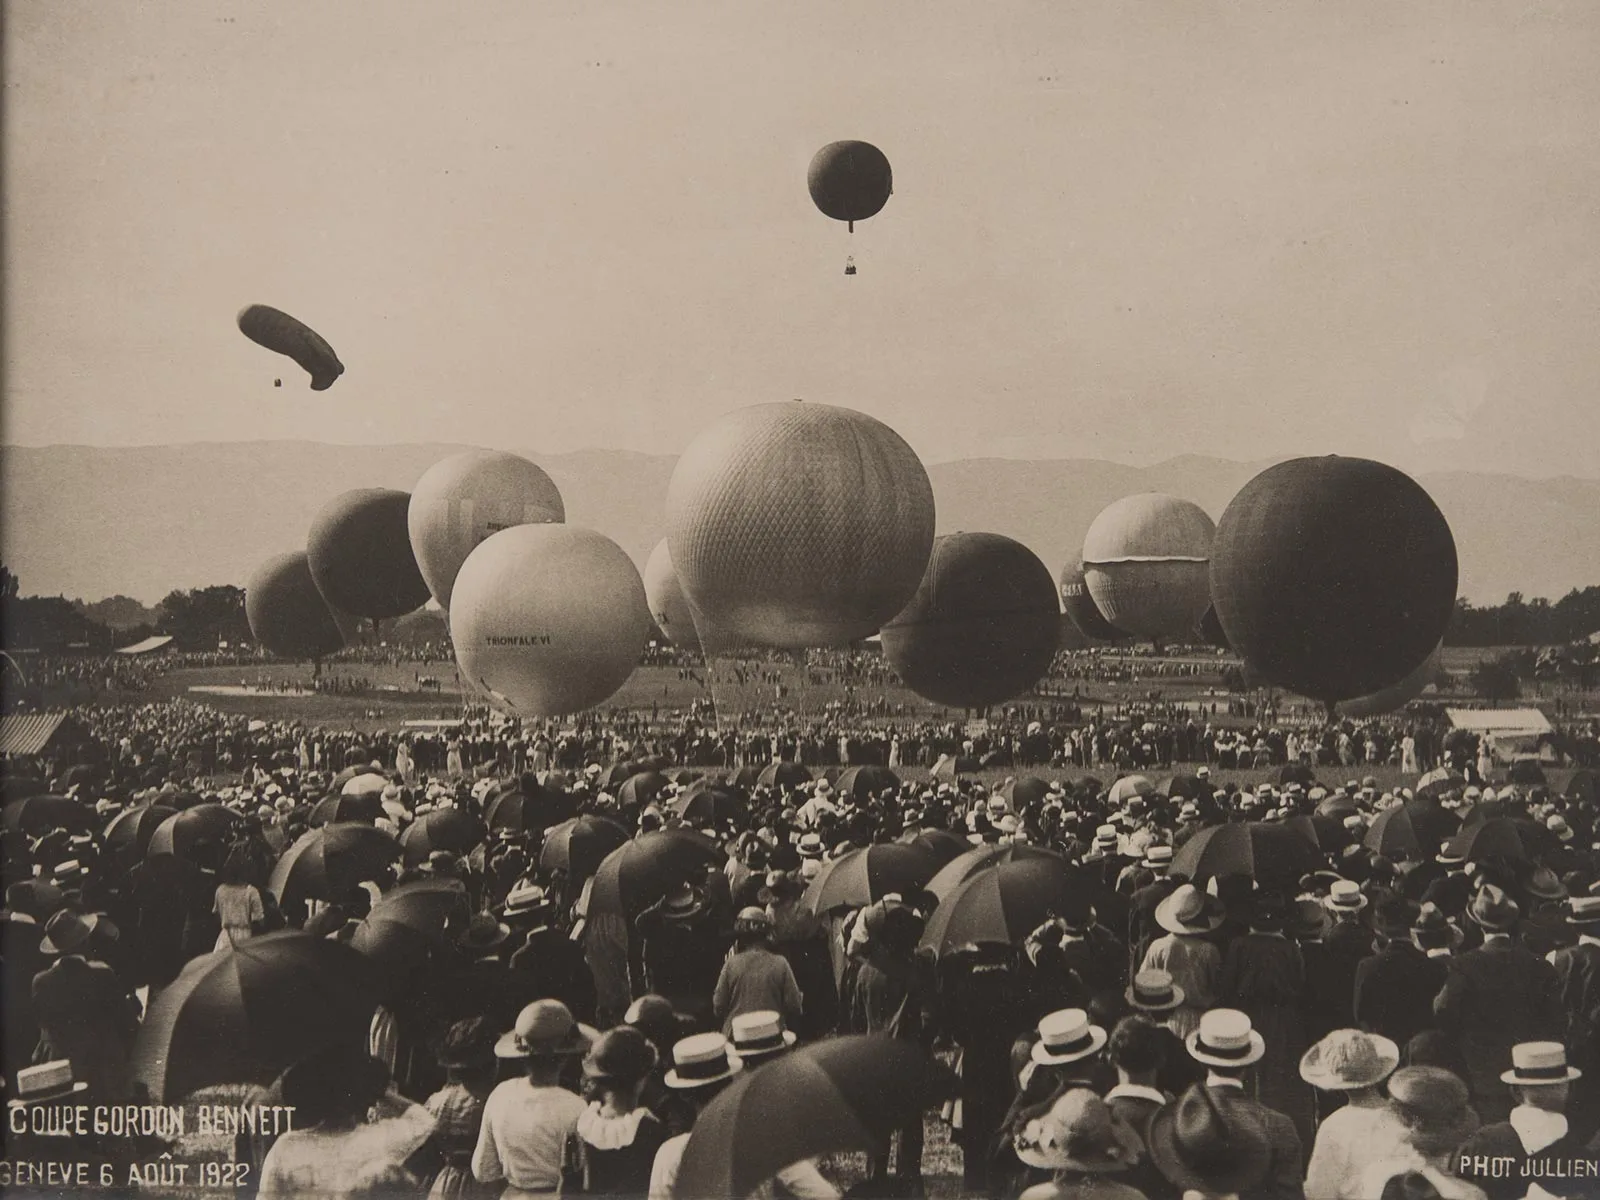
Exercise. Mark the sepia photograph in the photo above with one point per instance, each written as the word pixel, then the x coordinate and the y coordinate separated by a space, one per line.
pixel 731 599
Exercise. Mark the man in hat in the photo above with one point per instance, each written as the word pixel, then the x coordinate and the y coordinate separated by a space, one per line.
pixel 1142 927
pixel 1189 916
pixel 703 1064
pixel 528 1120
pixel 1227 1046
pixel 1537 1128
pixel 755 978
pixel 1206 1147
pixel 1394 988
pixel 1140 1051
pixel 1495 997
pixel 760 1037
pixel 1074 957
pixel 85 1012
pixel 1577 970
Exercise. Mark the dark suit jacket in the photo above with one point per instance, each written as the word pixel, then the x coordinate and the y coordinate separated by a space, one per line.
pixel 1394 991
pixel 1501 1140
pixel 1286 1171
pixel 1146 1176
pixel 1493 998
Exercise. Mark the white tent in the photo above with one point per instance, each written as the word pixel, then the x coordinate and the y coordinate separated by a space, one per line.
pixel 1511 732
pixel 149 645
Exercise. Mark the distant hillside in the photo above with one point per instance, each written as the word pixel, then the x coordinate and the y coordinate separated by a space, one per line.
pixel 91 522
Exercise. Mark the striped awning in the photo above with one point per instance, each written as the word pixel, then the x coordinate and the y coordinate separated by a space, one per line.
pixel 28 733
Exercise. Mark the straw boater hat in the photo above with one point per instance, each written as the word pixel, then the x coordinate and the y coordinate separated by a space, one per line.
pixel 45 1082
pixel 1348 1059
pixel 1583 910
pixel 525 897
pixel 1201 1146
pixel 1345 898
pixel 702 1059
pixel 1536 1063
pixel 1066 1036
pixel 757 1034
pixel 1078 1133
pixel 544 1029
pixel 1154 991
pixel 811 846
pixel 1189 910
pixel 1225 1039
pixel 1157 856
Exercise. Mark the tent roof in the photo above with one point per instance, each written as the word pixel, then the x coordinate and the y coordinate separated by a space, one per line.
pixel 145 647
pixel 28 733
pixel 1499 720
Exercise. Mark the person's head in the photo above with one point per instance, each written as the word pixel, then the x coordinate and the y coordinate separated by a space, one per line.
pixel 1137 1048
pixel 617 1065
pixel 544 1037
pixel 752 927
pixel 1539 1076
pixel 1225 1042
pixel 466 1051
pixel 334 1088
pixel 702 1065
pixel 1202 1146
pixel 1432 1105
pixel 654 1016
pixel 1350 1061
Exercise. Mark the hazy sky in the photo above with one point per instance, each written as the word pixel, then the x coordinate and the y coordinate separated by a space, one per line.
pixel 1119 230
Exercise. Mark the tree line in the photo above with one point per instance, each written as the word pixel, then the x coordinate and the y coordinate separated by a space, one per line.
pixel 1519 622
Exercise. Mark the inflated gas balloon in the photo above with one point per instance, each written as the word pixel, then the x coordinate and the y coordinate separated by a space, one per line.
pixel 360 554
pixel 668 606
pixel 796 525
pixel 1080 606
pixel 850 181
pixel 1211 631
pixel 279 331
pixel 1397 696
pixel 982 627
pixel 1145 563
pixel 548 619
pixel 1333 577
pixel 287 615
pixel 461 500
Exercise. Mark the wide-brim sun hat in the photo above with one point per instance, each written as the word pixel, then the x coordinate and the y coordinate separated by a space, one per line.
pixel 1078 1133
pixel 545 1029
pixel 1348 1059
pixel 1201 1146
pixel 1190 911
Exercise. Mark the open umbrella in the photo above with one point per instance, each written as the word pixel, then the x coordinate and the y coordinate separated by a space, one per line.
pixel 862 876
pixel 185 833
pixel 635 876
pixel 708 801
pixel 638 790
pixel 324 864
pixel 1393 835
pixel 453 829
pixel 860 782
pixel 973 859
pixel 580 845
pixel 364 806
pixel 413 927
pixel 1296 773
pixel 130 831
pixel 747 777
pixel 949 767
pixel 40 814
pixel 243 1014
pixel 1129 786
pixel 618 773
pixel 522 809
pixel 1025 792
pixel 1495 837
pixel 845 1093
pixel 783 775
pixel 1526 771
pixel 1003 904
pixel 1439 781
pixel 1187 787
pixel 1584 785
pixel 943 845
pixel 367 784
pixel 1271 854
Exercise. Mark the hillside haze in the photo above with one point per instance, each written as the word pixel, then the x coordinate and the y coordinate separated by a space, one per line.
pixel 92 522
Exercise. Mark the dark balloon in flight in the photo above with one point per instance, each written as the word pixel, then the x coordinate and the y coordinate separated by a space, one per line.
pixel 850 181
pixel 1080 607
pixel 1333 577
pixel 982 627
pixel 287 615
pixel 280 332
pixel 360 555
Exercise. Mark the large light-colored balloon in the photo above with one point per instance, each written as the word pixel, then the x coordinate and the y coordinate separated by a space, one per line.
pixel 461 500
pixel 797 525
pixel 1401 694
pixel 669 607
pixel 548 619
pixel 1146 560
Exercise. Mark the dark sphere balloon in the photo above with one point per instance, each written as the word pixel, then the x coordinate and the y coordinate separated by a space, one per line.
pixel 982 627
pixel 287 614
pixel 1080 607
pixel 850 181
pixel 1333 577
pixel 360 554
pixel 797 525
pixel 1211 631
pixel 266 326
